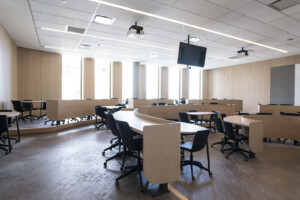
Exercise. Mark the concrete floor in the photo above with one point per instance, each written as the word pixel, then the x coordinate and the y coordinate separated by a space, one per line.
pixel 69 165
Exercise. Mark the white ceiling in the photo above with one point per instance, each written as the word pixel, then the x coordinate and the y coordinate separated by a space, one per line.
pixel 248 19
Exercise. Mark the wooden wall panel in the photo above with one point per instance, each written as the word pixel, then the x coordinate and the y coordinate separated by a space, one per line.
pixel 249 82
pixel 88 78
pixel 184 83
pixel 29 74
pixel 164 82
pixel 51 75
pixel 116 80
pixel 205 84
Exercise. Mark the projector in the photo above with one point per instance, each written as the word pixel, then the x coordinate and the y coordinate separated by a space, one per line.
pixel 135 31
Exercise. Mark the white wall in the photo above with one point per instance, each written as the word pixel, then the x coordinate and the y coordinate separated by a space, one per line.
pixel 297 85
pixel 8 69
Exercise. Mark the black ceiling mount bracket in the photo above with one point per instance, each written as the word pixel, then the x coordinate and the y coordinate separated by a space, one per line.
pixel 188 67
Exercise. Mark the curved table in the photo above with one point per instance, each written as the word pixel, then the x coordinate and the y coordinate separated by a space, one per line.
pixel 161 145
pixel 251 128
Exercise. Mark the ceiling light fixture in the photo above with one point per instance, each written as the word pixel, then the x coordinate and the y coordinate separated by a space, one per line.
pixel 194 39
pixel 124 41
pixel 185 24
pixel 104 20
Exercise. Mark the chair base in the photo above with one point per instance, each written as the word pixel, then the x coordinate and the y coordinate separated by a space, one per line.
pixel 197 164
pixel 241 151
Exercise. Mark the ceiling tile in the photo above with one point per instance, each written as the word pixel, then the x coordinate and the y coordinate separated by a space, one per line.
pixel 201 7
pixel 289 25
pixel 239 20
pixel 260 12
pixel 231 4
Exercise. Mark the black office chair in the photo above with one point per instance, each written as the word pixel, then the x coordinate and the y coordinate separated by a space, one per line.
pixel 185 118
pixel 223 115
pixel 4 129
pixel 99 110
pixel 236 138
pixel 19 108
pixel 176 102
pixel 211 120
pixel 200 141
pixel 43 108
pixel 154 104
pixel 161 104
pixel 29 107
pixel 112 126
pixel 220 129
pixel 194 117
pixel 132 145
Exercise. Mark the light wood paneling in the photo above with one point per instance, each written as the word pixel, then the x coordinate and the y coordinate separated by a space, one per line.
pixel 184 83
pixel 136 103
pixel 8 70
pixel 88 78
pixel 205 80
pixel 116 80
pixel 249 82
pixel 237 103
pixel 39 74
pixel 142 81
pixel 51 75
pixel 164 82
pixel 29 74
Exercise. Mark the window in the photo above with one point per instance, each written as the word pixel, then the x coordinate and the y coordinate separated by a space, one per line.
pixel 71 77
pixel 173 83
pixel 102 79
pixel 151 82
pixel 127 80
pixel 194 83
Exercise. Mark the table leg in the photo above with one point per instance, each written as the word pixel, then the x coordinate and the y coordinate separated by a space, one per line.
pixel 57 123
pixel 162 189
pixel 18 129
pixel 201 120
pixel 9 142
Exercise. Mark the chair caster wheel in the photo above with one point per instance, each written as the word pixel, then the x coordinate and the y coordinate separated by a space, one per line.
pixel 121 169
pixel 246 160
pixel 110 149
pixel 193 178
pixel 143 190
pixel 103 153
pixel 111 142
pixel 211 146
pixel 210 174
pixel 105 165
pixel 227 158
pixel 117 183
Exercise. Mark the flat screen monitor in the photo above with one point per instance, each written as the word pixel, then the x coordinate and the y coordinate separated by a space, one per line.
pixel 190 54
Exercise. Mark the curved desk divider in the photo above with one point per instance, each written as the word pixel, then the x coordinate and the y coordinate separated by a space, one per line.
pixel 161 145
pixel 237 103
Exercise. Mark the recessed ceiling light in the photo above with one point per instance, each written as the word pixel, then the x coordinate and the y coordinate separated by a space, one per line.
pixel 184 24
pixel 104 20
pixel 152 55
pixel 64 1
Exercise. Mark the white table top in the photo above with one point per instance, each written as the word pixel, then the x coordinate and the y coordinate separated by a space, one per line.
pixel 112 107
pixel 10 114
pixel 137 124
pixel 240 120
pixel 34 101
pixel 200 113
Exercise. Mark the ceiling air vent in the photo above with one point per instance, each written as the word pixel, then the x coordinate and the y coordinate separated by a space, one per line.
pixel 283 4
pixel 85 46
pixel 75 29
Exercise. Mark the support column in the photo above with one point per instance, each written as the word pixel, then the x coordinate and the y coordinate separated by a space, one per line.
pixel 164 82
pixel 116 80
pixel 142 81
pixel 88 79
pixel 136 79
pixel 184 83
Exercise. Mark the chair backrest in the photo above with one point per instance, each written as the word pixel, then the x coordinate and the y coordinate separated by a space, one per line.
pixel 183 117
pixel 200 140
pixel 3 124
pixel 112 125
pixel 194 117
pixel 215 115
pixel 17 106
pixel 27 106
pixel 99 110
pixel 154 104
pixel 176 101
pixel 219 125
pixel 44 105
pixel 161 104
pixel 126 135
pixel 223 115
pixel 229 130
pixel 264 113
pixel 121 105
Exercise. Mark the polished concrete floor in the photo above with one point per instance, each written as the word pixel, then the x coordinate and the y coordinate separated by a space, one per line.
pixel 69 165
